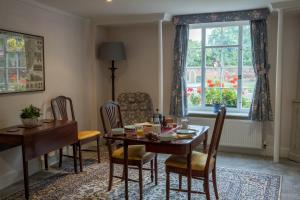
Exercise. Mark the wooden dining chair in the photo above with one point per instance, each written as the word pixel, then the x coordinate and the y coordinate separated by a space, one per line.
pixel 202 164
pixel 137 156
pixel 62 107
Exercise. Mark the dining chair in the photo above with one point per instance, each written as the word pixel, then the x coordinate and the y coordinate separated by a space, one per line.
pixel 202 164
pixel 137 156
pixel 136 107
pixel 62 108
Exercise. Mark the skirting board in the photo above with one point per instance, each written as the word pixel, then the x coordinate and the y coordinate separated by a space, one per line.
pixel 294 156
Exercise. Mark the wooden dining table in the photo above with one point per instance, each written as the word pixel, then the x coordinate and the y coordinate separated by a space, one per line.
pixel 178 147
pixel 46 137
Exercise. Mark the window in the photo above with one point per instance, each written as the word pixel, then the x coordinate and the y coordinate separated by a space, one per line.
pixel 219 67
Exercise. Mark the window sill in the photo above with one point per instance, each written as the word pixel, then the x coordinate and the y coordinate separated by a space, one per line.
pixel 209 114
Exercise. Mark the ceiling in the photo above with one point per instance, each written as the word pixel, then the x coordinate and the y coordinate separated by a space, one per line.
pixel 94 8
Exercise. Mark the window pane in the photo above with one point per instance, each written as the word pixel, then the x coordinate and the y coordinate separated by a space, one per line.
pixel 213 57
pixel 247 95
pixel 231 35
pixel 212 77
pixel 230 56
pixel 194 57
pixel 194 48
pixel 214 36
pixel 193 75
pixel 248 77
pixel 229 97
pixel 230 78
pixel 194 97
pixel 248 84
pixel 246 36
pixel 220 36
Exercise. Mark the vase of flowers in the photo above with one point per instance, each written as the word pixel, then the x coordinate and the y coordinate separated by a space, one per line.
pixel 30 116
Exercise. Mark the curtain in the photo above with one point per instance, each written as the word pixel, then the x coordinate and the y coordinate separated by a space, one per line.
pixel 178 107
pixel 261 109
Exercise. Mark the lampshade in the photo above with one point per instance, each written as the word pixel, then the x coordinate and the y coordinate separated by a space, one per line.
pixel 112 51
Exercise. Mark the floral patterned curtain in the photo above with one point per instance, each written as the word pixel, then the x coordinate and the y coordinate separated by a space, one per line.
pixel 178 107
pixel 261 109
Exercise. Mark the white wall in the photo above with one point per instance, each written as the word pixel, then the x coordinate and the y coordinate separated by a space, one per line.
pixel 66 67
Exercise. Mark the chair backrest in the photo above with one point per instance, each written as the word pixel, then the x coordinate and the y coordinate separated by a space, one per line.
pixel 111 118
pixel 215 140
pixel 60 105
pixel 135 107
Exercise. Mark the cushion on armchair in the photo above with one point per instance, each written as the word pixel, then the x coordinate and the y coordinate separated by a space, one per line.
pixel 136 107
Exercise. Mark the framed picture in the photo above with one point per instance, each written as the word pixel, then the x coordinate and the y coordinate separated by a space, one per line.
pixel 22 67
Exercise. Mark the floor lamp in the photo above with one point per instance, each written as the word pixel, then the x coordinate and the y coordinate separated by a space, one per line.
pixel 112 51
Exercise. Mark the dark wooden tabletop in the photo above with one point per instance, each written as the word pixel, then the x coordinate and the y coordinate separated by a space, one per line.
pixel 20 130
pixel 144 140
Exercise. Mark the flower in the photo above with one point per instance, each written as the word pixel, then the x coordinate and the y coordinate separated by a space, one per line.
pixel 189 90
pixel 199 90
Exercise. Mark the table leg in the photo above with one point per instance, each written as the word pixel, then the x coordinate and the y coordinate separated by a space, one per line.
pixel 75 157
pixel 205 142
pixel 46 161
pixel 126 168
pixel 25 173
pixel 189 173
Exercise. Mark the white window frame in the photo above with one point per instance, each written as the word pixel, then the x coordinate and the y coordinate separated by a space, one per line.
pixel 203 27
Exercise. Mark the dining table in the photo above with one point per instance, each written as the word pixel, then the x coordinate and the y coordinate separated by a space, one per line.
pixel 176 146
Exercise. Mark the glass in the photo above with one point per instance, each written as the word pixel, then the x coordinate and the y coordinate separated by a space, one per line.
pixel 213 57
pixel 139 131
pixel 193 75
pixel 220 36
pixel 230 56
pixel 212 77
pixel 194 96
pixel 249 78
pixel 214 36
pixel 229 97
pixel 12 60
pixel 230 35
pixel 194 57
pixel 230 78
pixel 247 95
pixel 2 76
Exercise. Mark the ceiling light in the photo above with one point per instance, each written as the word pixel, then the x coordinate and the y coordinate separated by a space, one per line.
pixel 109 0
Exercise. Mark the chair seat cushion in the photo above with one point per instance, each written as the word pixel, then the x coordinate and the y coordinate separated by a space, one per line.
pixel 87 134
pixel 198 161
pixel 135 152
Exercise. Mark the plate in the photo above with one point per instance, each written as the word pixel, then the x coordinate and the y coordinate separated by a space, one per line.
pixel 130 127
pixel 117 131
pixel 186 131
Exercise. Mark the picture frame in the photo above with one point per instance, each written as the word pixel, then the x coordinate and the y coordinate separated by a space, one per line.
pixel 22 62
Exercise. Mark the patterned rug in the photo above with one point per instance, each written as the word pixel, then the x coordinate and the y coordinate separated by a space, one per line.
pixel 92 184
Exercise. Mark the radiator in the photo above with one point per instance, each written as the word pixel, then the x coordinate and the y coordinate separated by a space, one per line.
pixel 236 133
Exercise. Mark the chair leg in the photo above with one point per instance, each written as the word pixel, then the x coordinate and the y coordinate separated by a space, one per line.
pixel 167 185
pixel 155 170
pixel 180 181
pixel 46 161
pixel 60 157
pixel 141 180
pixel 98 148
pixel 80 156
pixel 111 173
pixel 214 179
pixel 151 164
pixel 206 188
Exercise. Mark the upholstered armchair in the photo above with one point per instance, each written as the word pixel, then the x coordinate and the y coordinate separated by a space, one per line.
pixel 135 107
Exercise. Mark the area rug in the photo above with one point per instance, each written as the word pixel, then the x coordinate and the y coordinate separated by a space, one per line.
pixel 233 184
